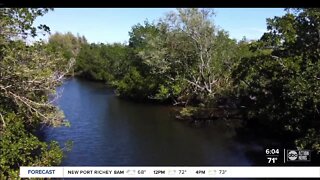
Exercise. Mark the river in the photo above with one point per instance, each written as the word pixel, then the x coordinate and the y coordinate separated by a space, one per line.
pixel 109 131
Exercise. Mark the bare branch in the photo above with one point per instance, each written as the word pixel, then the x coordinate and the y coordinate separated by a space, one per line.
pixel 4 123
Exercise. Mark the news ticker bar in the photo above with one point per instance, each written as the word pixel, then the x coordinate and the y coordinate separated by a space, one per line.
pixel 169 172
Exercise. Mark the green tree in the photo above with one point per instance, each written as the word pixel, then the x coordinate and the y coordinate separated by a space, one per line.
pixel 28 75
pixel 102 62
pixel 280 88
pixel 67 43
pixel 137 82
pixel 191 54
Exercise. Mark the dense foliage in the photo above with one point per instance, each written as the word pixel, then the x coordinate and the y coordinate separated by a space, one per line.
pixel 67 44
pixel 281 88
pixel 29 73
pixel 101 62
pixel 182 58
pixel 189 55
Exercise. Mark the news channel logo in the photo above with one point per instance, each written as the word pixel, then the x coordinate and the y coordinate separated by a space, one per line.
pixel 299 155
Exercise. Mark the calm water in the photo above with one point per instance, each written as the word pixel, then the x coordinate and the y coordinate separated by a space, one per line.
pixel 108 131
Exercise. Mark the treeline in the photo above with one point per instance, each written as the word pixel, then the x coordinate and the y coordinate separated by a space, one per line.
pixel 186 60
pixel 183 58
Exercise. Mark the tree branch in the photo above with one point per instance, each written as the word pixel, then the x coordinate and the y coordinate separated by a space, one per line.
pixel 4 123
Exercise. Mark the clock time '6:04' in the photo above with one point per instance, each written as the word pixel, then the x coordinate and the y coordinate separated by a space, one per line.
pixel 272 151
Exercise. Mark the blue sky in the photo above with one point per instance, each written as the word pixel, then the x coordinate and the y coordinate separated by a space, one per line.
pixel 108 25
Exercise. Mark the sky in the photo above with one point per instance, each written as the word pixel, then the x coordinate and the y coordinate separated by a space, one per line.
pixel 109 25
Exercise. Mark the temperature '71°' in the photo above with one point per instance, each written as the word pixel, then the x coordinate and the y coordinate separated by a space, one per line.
pixel 272 160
